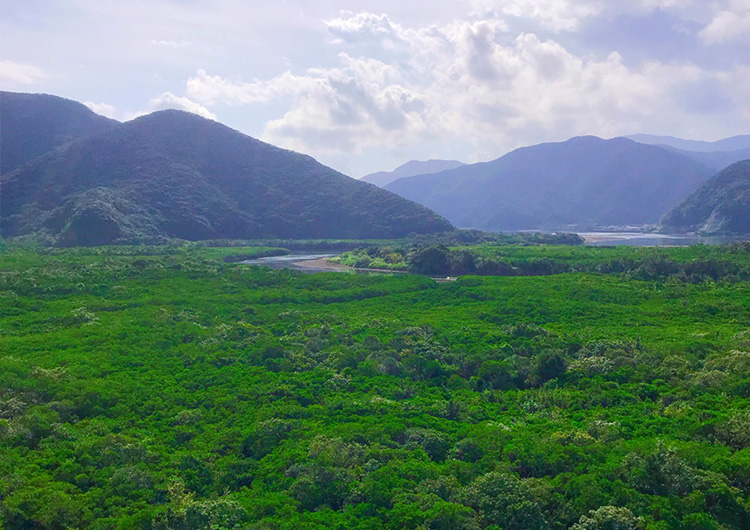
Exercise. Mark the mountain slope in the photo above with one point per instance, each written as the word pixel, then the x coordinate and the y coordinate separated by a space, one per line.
pixel 582 183
pixel 33 124
pixel 410 169
pixel 721 205
pixel 174 174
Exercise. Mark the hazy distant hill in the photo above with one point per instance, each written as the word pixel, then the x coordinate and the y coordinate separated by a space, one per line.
pixel 734 143
pixel 582 183
pixel 174 174
pixel 721 205
pixel 32 124
pixel 716 155
pixel 716 160
pixel 414 167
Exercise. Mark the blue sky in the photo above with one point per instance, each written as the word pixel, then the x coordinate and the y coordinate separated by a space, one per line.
pixel 366 86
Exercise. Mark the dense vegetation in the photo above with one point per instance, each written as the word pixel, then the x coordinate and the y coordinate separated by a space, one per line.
pixel 695 265
pixel 720 206
pixel 161 388
pixel 585 182
pixel 172 174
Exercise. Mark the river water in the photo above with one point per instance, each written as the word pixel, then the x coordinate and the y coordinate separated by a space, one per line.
pixel 302 261
pixel 309 262
pixel 640 239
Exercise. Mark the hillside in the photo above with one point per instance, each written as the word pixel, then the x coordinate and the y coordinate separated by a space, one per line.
pixel 411 168
pixel 32 124
pixel 174 174
pixel 720 206
pixel 585 182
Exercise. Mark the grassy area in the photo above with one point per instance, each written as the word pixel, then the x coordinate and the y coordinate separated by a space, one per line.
pixel 163 388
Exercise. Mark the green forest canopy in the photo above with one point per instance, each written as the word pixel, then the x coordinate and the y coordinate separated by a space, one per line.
pixel 166 389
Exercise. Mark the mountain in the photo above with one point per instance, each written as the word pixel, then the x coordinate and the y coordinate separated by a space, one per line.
pixel 414 167
pixel 32 124
pixel 720 206
pixel 735 143
pixel 175 174
pixel 585 182
pixel 716 155
pixel 716 160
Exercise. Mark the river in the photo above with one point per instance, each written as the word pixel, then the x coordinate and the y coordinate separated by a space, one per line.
pixel 645 239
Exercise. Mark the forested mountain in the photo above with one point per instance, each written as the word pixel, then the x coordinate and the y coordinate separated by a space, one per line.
pixel 411 168
pixel 720 206
pixel 585 182
pixel 32 124
pixel 174 174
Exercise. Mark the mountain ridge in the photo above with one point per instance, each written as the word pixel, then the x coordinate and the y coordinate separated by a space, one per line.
pixel 176 174
pixel 733 143
pixel 582 183
pixel 409 169
pixel 32 129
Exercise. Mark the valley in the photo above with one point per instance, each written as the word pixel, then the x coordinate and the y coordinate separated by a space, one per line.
pixel 203 331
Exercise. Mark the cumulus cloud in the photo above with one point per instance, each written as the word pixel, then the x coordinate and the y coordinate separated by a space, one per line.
pixel 466 80
pixel 568 15
pixel 22 74
pixel 471 81
pixel 360 26
pixel 728 23
pixel 168 101
pixel 102 109
pixel 556 15
pixel 210 89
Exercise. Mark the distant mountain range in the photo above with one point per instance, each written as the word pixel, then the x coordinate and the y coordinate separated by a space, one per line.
pixel 720 206
pixel 414 167
pixel 583 183
pixel 75 178
pixel 735 143
pixel 716 155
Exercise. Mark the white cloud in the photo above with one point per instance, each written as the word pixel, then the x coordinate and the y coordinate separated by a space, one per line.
pixel 172 43
pixel 350 26
pixel 555 15
pixel 728 23
pixel 169 101
pixel 466 81
pixel 210 89
pixel 567 15
pixel 102 109
pixel 22 74
pixel 471 82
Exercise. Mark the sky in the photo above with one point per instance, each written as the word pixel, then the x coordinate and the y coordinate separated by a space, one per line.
pixel 366 86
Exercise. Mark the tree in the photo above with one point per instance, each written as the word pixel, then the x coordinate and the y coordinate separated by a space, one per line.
pixel 608 518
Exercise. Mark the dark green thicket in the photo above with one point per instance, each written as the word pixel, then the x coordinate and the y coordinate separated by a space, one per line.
pixel 74 178
pixel 161 388
pixel 696 266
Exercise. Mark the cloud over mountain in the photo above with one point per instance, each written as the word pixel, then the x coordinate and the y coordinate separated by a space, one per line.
pixel 366 88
